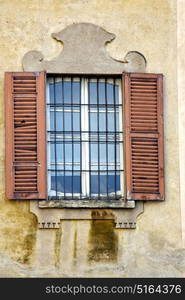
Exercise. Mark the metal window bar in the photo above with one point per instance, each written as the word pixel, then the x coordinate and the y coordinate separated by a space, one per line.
pixel 80 138
pixel 98 115
pixel 90 141
pixel 63 120
pixel 107 190
pixel 72 100
pixel 55 144
pixel 115 133
pixel 85 137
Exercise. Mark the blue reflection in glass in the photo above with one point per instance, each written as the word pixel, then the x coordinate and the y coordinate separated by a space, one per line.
pixel 111 153
pixel 110 93
pixel 67 91
pixel 58 89
pixel 93 121
pixel 68 152
pixel 56 118
pixel 51 92
pixel 76 121
pixel 107 183
pixel 101 92
pixel 102 121
pixel 111 121
pixel 94 152
pixel 67 183
pixel 67 121
pixel 59 153
pixel 93 92
pixel 76 92
pixel 76 152
pixel 102 153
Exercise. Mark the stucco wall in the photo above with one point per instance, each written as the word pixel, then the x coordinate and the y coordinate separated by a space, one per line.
pixel 95 248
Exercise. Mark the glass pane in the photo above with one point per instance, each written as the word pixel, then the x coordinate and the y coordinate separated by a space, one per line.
pixel 51 92
pixel 57 183
pixel 94 152
pixel 111 121
pixel 102 153
pixel 67 123
pixel 76 92
pixel 110 93
pixel 118 184
pixel 76 121
pixel 103 183
pixel 55 92
pixel 93 121
pixel 59 153
pixel 102 121
pixel 101 92
pixel 117 121
pixel 76 153
pixel 68 152
pixel 93 92
pixel 68 182
pixel 111 182
pixel 58 92
pixel 117 94
pixel 94 183
pixel 56 119
pixel 111 153
pixel 67 91
pixel 52 191
pixel 76 182
pixel 118 153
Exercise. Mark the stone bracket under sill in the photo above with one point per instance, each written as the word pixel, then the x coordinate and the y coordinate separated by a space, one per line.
pixel 123 217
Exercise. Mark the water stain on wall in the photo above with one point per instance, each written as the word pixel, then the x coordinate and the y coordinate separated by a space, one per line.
pixel 57 246
pixel 19 240
pixel 103 241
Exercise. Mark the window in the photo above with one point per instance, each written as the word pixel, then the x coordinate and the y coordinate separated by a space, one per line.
pixel 85 138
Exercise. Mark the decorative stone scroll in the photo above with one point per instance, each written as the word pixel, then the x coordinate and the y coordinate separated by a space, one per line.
pixel 84 52
pixel 49 218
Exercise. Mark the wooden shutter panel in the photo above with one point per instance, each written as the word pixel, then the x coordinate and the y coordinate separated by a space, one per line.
pixel 25 135
pixel 144 162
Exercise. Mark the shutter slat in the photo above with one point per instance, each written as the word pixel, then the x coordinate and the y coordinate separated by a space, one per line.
pixel 25 135
pixel 144 136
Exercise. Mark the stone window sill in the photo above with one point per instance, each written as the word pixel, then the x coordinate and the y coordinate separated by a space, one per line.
pixel 86 204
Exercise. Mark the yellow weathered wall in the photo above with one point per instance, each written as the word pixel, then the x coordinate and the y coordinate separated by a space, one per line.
pixel 94 248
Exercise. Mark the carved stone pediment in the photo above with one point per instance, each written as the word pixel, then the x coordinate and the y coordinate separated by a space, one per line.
pixel 84 52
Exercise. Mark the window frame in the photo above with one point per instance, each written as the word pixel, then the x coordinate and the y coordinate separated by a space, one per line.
pixel 85 79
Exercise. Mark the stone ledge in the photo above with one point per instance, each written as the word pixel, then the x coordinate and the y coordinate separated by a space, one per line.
pixel 86 204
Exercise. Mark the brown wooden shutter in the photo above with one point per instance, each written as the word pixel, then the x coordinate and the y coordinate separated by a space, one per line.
pixel 144 162
pixel 25 135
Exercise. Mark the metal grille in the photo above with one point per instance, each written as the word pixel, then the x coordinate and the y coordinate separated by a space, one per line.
pixel 85 138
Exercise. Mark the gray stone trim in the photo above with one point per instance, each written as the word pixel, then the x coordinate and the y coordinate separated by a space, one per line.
pixel 84 52
pixel 87 204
